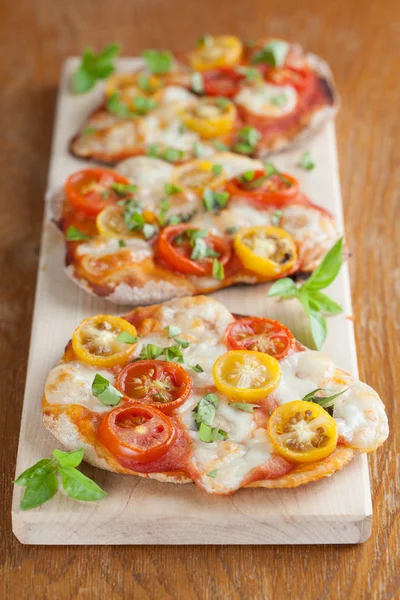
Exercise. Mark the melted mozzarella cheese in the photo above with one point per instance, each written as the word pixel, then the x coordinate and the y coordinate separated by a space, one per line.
pixel 138 248
pixel 202 317
pixel 71 383
pixel 145 171
pixel 176 95
pixel 269 100
pixel 167 133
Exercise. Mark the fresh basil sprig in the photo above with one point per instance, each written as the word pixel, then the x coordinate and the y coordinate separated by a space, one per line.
pixel 157 61
pixel 315 303
pixel 41 480
pixel 94 67
pixel 105 392
pixel 274 54
pixel 324 401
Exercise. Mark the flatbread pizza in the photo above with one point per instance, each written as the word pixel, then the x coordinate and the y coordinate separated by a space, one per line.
pixel 187 392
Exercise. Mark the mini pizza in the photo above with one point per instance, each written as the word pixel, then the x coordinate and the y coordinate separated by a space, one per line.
pixel 250 98
pixel 152 231
pixel 187 392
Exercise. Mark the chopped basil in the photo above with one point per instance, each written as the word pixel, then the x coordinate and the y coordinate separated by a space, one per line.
pixel 157 61
pixel 174 220
pixel 150 352
pixel 153 150
pixel 127 338
pixel 247 176
pixel 276 218
pixel 144 105
pixel 218 271
pixel 217 169
pixel 245 406
pixel 204 412
pixel 118 108
pixel 197 368
pixel 220 146
pixel 172 154
pixel 324 401
pixel 201 250
pixel 164 208
pixel 197 150
pixel 212 473
pixel 74 235
pixel 251 74
pixel 121 243
pixel 182 343
pixel 210 434
pixel 173 352
pixel 197 83
pixel 222 102
pixel 144 83
pixel 172 330
pixel 94 67
pixel 249 135
pixel 105 392
pixel 89 130
pixel 214 200
pixel 171 189
pixel 232 230
pixel 123 189
pixel 270 170
pixel 306 161
pixel 274 53
pixel 279 100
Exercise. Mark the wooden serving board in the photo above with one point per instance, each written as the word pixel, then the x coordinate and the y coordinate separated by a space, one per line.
pixel 140 511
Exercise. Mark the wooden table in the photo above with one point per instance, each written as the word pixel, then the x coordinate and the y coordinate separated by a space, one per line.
pixel 361 40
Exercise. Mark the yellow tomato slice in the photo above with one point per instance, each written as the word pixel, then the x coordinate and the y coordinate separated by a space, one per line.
pixel 302 431
pixel 96 341
pixel 110 222
pixel 269 251
pixel 215 52
pixel 209 117
pixel 196 175
pixel 246 376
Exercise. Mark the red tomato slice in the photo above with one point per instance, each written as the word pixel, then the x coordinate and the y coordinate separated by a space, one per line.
pixel 175 248
pixel 276 190
pixel 90 190
pixel 222 82
pixel 299 78
pixel 158 383
pixel 137 432
pixel 260 335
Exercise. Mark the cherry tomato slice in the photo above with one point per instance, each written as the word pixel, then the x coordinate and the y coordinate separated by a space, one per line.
pixel 222 82
pixel 158 383
pixel 261 335
pixel 176 246
pixel 299 78
pixel 278 189
pixel 90 190
pixel 137 432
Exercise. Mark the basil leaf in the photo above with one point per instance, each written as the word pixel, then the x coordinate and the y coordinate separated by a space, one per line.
pixel 117 107
pixel 74 235
pixel 222 102
pixel 274 53
pixel 197 83
pixel 197 150
pixel 172 154
pixel 220 146
pixel 249 135
pixel 247 176
pixel 124 189
pixel 89 130
pixel 232 230
pixel 171 189
pixel 306 161
pixel 216 169
pixel 94 67
pixel 276 218
pixel 172 330
pixel 164 208
pixel 80 487
pixel 212 473
pixel 126 338
pixel 218 271
pixel 151 351
pixel 157 61
pixel 204 412
pixel 197 368
pixel 121 243
pixel 327 270
pixel 270 169
pixel 105 392
pixel 205 433
pixel 285 288
pixel 144 105
pixel 182 343
pixel 214 200
pixel 324 401
pixel 279 100
pixel 245 406
pixel 69 459
pixel 41 487
pixel 38 467
pixel 317 321
pixel 172 353
pixel 323 303
pixel 82 80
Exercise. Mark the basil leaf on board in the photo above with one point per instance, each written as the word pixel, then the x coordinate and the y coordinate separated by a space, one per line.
pixel 328 268
pixel 245 406
pixel 78 486
pixel 105 392
pixel 274 54
pixel 27 475
pixel 41 487
pixel 157 61
pixel 323 303
pixel 74 235
pixel 126 338
pixel 94 67
pixel 69 459
pixel 306 161
pixel 285 288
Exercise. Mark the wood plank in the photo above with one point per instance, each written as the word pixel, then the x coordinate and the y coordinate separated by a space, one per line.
pixel 336 510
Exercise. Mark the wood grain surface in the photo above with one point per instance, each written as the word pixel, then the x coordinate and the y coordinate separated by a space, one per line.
pixel 362 42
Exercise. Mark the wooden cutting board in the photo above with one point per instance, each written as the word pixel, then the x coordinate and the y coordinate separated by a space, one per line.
pixel 140 511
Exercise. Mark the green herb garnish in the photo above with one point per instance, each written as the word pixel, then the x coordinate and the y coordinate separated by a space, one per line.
pixel 214 200
pixel 248 139
pixel 245 406
pixel 274 54
pixel 306 161
pixel 171 189
pixel 74 235
pixel 157 61
pixel 218 271
pixel 217 169
pixel 94 67
pixel 126 338
pixel 324 401
pixel 172 330
pixel 197 83
pixel 105 392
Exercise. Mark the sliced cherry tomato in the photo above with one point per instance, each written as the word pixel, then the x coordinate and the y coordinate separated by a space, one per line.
pixel 95 341
pixel 269 251
pixel 209 117
pixel 158 383
pixel 222 82
pixel 137 432
pixel 299 78
pixel 214 52
pixel 302 432
pixel 177 247
pixel 131 86
pixel 91 190
pixel 261 335
pixel 196 175
pixel 110 222
pixel 262 190
pixel 246 376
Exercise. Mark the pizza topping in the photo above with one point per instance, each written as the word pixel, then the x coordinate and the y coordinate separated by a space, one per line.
pixel 204 415
pixel 208 117
pixel 216 52
pixel 105 392
pixel 125 221
pixel 269 251
pixel 268 100
pixel 137 432
pixel 248 138
pixel 158 62
pixel 222 82
pixel 133 91
pixel 73 234
pixel 94 67
pixel 91 190
pixel 214 201
pixel 196 176
pixel 302 431
pixel 162 384
pixel 261 335
pixel 306 161
pixel 96 342
pixel 246 376
pixel 274 54
pixel 191 251
pixel 266 187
